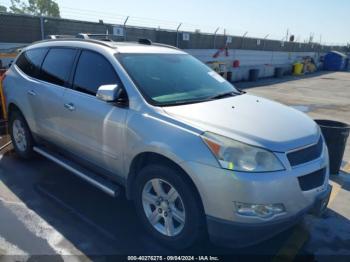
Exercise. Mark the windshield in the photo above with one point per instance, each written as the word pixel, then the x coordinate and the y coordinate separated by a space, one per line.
pixel 170 79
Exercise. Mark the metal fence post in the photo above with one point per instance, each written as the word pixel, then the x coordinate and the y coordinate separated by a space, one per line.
pixel 217 29
pixel 124 27
pixel 243 39
pixel 42 28
pixel 264 45
pixel 177 34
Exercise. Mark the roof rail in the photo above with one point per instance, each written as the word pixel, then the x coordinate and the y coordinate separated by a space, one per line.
pixel 101 39
pixel 165 45
pixel 104 37
pixel 59 36
pixel 94 41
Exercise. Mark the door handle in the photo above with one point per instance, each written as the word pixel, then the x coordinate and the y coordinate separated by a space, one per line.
pixel 32 93
pixel 69 106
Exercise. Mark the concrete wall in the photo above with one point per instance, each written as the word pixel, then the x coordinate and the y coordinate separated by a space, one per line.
pixel 265 61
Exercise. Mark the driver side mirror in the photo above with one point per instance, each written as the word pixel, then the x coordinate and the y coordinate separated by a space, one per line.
pixel 111 93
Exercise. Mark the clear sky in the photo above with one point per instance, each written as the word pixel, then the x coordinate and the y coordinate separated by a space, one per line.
pixel 329 18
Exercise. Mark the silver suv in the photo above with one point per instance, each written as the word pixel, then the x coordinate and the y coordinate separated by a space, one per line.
pixel 196 155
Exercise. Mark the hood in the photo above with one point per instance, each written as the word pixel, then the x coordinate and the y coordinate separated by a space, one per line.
pixel 252 120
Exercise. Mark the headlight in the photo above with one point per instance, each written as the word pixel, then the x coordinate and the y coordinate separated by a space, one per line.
pixel 238 156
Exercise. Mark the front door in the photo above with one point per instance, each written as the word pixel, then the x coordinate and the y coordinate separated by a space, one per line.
pixel 93 128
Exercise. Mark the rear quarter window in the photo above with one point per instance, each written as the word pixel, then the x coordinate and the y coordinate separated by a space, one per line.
pixel 30 61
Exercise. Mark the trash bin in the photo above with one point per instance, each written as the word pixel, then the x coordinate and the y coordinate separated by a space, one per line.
pixel 298 68
pixel 229 76
pixel 335 133
pixel 278 72
pixel 253 75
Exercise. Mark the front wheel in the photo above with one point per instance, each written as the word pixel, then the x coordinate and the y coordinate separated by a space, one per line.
pixel 168 206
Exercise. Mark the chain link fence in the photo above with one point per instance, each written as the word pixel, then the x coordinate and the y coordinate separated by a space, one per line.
pixel 27 29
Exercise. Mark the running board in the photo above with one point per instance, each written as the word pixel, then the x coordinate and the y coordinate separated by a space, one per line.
pixel 90 177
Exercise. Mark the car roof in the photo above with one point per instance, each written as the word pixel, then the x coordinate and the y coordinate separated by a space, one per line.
pixel 116 47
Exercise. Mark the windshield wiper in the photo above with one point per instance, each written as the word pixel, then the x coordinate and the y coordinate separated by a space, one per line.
pixel 223 95
pixel 184 102
pixel 193 101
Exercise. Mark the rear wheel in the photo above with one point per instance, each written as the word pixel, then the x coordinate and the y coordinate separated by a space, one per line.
pixel 168 207
pixel 21 136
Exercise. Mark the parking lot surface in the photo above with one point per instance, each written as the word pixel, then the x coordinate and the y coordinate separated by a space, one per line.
pixel 45 210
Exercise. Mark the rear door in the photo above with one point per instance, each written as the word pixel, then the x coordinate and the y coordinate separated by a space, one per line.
pixel 93 128
pixel 49 109
pixel 25 88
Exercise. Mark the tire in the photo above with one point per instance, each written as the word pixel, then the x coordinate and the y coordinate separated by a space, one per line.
pixel 21 136
pixel 186 207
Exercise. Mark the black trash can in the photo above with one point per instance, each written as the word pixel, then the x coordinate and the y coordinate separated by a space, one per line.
pixel 336 134
pixel 278 72
pixel 253 75
pixel 229 76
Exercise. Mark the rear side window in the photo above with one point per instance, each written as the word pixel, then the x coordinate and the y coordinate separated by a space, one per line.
pixel 58 65
pixel 93 70
pixel 30 61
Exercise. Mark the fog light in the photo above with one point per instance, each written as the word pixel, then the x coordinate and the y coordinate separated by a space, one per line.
pixel 259 210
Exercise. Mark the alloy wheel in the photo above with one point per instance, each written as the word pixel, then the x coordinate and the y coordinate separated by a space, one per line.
pixel 163 207
pixel 19 135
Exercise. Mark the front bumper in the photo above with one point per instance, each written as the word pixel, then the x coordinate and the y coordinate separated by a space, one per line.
pixel 235 234
pixel 219 189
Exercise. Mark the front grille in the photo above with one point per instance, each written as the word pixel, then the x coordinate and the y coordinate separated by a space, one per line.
pixel 306 155
pixel 313 180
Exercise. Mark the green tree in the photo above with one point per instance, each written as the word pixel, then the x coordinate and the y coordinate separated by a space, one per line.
pixel 44 8
pixel 3 9
pixel 17 7
pixel 36 7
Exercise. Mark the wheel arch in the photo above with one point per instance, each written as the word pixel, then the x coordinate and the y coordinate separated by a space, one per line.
pixel 146 158
pixel 12 107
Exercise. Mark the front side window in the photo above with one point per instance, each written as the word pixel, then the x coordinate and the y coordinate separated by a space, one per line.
pixel 30 61
pixel 170 79
pixel 58 65
pixel 93 71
